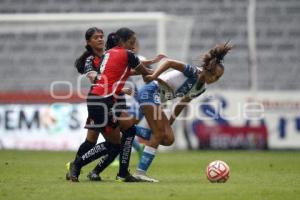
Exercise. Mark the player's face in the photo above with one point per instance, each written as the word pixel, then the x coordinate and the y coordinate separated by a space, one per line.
pixel 213 75
pixel 130 44
pixel 97 41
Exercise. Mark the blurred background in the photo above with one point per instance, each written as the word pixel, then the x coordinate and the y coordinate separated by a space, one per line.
pixel 255 105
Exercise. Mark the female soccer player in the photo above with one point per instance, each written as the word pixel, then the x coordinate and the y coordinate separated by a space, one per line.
pixel 114 71
pixel 185 81
pixel 88 64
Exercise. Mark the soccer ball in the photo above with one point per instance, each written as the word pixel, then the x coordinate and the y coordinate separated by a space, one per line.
pixel 217 171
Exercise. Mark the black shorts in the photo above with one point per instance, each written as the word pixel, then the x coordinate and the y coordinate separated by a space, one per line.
pixel 103 112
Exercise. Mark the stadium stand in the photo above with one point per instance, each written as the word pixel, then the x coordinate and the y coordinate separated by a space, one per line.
pixel 31 61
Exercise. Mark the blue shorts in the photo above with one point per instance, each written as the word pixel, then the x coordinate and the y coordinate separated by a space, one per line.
pixel 133 109
pixel 149 94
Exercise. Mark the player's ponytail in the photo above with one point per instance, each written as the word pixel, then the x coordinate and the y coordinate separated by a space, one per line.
pixel 216 55
pixel 80 62
pixel 114 39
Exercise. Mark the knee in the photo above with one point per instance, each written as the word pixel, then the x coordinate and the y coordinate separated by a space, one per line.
pixel 168 141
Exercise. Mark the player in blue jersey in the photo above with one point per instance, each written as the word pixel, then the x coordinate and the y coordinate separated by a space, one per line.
pixel 185 81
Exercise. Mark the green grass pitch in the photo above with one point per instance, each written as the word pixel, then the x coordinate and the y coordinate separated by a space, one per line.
pixel 39 175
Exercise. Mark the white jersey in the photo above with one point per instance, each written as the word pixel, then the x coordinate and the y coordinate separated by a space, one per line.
pixel 180 84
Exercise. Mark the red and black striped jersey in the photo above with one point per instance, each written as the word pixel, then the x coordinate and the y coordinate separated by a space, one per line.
pixel 114 71
pixel 92 63
pixel 87 62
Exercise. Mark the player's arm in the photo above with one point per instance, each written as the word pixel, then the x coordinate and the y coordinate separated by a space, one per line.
pixel 144 71
pixel 147 64
pixel 169 63
pixel 133 72
pixel 85 65
pixel 179 107
pixel 135 64
pixel 154 60
pixel 91 76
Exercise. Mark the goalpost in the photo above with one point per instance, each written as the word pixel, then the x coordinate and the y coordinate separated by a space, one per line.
pixel 166 30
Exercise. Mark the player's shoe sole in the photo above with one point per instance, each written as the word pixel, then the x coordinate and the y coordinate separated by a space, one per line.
pixel 128 178
pixel 144 178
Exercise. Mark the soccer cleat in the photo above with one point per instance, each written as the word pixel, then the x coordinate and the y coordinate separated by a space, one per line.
pixel 72 173
pixel 93 176
pixel 145 178
pixel 127 178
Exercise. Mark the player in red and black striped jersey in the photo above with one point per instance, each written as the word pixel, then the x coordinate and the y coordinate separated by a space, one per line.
pixel 88 64
pixel 114 70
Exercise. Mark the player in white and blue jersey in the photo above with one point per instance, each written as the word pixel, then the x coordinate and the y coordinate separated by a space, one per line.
pixel 185 81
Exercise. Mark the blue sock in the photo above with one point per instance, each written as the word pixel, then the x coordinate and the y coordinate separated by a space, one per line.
pixel 144 133
pixel 147 158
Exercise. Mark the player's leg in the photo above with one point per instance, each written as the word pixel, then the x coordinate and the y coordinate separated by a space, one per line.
pixel 112 136
pixel 169 138
pixel 125 154
pixel 128 119
pixel 125 121
pixel 99 119
pixel 153 114
pixel 90 142
pixel 138 147
pixel 95 152
pixel 128 135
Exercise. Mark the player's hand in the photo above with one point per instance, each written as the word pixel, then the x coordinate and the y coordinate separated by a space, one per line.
pixel 128 91
pixel 148 78
pixel 159 57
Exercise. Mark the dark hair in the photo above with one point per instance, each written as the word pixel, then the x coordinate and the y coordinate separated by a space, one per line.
pixel 88 34
pixel 91 31
pixel 80 62
pixel 216 55
pixel 122 35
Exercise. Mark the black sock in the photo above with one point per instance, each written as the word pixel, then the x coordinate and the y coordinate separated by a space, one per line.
pixel 84 147
pixel 92 154
pixel 125 152
pixel 107 160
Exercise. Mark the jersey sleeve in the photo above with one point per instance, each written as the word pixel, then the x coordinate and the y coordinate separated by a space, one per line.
pixel 190 71
pixel 88 66
pixel 133 60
